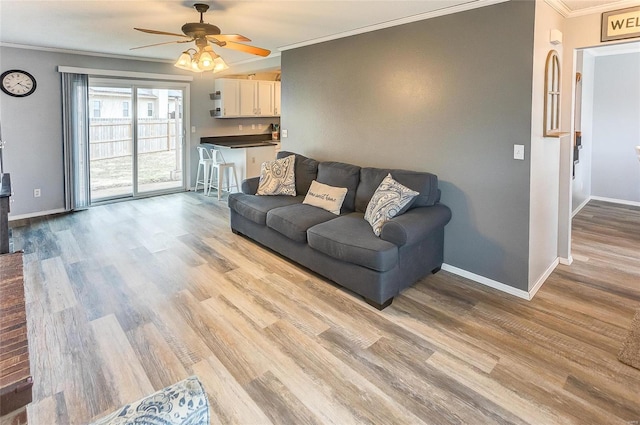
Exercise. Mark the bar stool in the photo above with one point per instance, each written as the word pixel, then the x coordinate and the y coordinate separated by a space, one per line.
pixel 204 165
pixel 221 169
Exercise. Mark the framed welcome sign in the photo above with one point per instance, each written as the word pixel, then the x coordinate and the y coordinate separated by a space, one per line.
pixel 621 24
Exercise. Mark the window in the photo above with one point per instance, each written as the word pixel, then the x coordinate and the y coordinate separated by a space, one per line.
pixel 150 109
pixel 96 109
pixel 125 109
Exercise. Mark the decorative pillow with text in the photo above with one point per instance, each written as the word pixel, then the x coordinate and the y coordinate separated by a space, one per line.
pixel 387 202
pixel 278 177
pixel 327 197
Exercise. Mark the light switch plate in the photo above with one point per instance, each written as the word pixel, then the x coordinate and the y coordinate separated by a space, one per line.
pixel 518 152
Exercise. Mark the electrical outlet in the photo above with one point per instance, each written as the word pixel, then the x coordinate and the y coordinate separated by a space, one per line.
pixel 259 126
pixel 240 127
pixel 518 152
pixel 253 126
pixel 193 128
pixel 36 193
pixel 284 133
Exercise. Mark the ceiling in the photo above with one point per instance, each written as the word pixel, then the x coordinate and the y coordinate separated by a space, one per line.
pixel 106 27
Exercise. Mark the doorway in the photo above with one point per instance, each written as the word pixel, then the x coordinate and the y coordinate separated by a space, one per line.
pixel 136 139
pixel 605 158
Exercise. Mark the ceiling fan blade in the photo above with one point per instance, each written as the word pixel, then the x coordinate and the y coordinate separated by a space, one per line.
pixel 159 32
pixel 229 37
pixel 244 48
pixel 160 44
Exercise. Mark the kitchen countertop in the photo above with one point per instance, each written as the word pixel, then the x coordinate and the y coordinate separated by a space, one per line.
pixel 240 142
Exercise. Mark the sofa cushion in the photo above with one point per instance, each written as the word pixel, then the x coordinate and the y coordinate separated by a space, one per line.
pixel 349 238
pixel 255 208
pixel 370 179
pixel 278 177
pixel 294 220
pixel 306 171
pixel 424 183
pixel 339 174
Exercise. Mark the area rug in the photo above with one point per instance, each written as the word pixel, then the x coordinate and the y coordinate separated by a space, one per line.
pixel 630 352
pixel 183 403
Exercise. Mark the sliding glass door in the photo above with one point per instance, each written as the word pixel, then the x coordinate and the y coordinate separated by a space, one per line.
pixel 136 139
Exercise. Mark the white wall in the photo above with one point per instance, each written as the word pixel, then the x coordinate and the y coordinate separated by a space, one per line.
pixel 545 155
pixel 616 127
pixel 582 181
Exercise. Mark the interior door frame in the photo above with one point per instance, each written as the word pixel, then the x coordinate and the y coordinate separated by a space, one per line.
pixel 134 85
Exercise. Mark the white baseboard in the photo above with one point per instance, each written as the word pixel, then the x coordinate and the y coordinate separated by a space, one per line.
pixel 566 261
pixel 36 214
pixel 532 292
pixel 615 201
pixel 502 286
pixel 487 282
pixel 581 206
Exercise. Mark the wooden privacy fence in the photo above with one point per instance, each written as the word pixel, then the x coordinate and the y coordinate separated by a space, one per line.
pixel 112 137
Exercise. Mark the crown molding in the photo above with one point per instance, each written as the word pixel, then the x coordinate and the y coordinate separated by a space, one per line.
pixel 81 52
pixel 243 63
pixel 473 4
pixel 560 7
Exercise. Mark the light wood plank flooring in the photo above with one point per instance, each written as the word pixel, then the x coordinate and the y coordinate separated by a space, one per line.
pixel 127 298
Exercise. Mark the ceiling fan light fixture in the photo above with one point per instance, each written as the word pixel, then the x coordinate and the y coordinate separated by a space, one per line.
pixel 195 67
pixel 203 58
pixel 219 65
pixel 184 61
pixel 205 62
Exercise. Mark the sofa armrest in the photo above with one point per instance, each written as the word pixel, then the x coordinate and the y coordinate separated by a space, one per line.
pixel 250 186
pixel 415 225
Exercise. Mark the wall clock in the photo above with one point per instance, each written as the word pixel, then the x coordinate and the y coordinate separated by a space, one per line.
pixel 18 83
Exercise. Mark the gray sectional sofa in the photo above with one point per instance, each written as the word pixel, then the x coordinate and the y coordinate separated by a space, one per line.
pixel 344 248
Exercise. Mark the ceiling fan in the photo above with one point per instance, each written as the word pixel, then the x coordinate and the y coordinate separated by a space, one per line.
pixel 204 58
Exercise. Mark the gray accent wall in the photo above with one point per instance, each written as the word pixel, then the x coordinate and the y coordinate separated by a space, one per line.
pixel 450 95
pixel 616 127
pixel 32 126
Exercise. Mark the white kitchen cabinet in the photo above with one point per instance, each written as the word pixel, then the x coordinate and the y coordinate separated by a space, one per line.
pixel 256 98
pixel 276 98
pixel 264 100
pixel 226 98
pixel 236 98
pixel 247 98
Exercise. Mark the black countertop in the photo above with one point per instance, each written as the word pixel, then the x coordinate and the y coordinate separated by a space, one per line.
pixel 5 189
pixel 239 142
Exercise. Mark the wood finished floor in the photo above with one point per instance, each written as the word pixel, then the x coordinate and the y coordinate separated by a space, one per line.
pixel 128 298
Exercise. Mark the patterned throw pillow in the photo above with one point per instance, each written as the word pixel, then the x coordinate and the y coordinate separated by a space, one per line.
pixel 278 177
pixel 327 197
pixel 387 201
